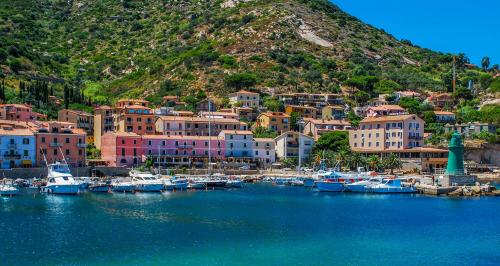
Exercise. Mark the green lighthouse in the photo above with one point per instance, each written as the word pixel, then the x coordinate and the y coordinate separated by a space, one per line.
pixel 455 156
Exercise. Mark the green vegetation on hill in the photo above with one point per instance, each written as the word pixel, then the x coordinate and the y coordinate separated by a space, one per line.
pixel 131 48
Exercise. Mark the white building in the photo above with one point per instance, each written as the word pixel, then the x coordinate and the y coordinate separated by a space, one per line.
pixel 264 151
pixel 290 144
pixel 239 143
pixel 246 98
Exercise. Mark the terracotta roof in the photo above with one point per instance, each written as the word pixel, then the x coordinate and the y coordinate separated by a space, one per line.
pixel 416 149
pixel 386 107
pixel 134 100
pixel 274 114
pixel 387 118
pixel 329 122
pixel 246 92
pixel 443 113
pixel 103 107
pixel 15 132
pixel 16 105
pixel 78 112
pixel 219 113
pixel 338 107
pixel 137 107
pixel 301 107
pixel 122 134
pixel 198 119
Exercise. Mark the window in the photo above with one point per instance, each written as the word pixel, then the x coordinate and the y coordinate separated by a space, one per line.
pixel 80 152
pixel 206 143
pixel 67 152
pixel 55 151
pixel 377 144
pixel 43 139
pixel 135 141
pixel 149 143
pixel 26 141
pixel 123 151
pixel 149 152
pixel 25 153
pixel 163 143
pixel 256 152
pixel 67 140
pixel 244 145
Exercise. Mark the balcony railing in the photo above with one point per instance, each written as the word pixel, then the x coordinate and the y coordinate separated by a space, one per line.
pixel 56 144
pixel 415 137
pixel 81 145
pixel 11 146
pixel 12 156
pixel 185 146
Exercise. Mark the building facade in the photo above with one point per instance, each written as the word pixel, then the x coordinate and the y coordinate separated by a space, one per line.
pixel 134 118
pixel 123 149
pixel 384 110
pixel 444 116
pixel 60 141
pixel 17 148
pixel 246 98
pixel 317 127
pixel 103 122
pixel 196 126
pixel 333 112
pixel 303 111
pixel 290 144
pixel 468 129
pixel 277 121
pixel 264 152
pixel 239 143
pixel 83 120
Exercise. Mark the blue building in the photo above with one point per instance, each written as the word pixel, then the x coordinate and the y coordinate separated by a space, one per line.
pixel 17 148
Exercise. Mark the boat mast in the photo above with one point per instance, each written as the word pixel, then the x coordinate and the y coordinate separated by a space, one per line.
pixel 209 138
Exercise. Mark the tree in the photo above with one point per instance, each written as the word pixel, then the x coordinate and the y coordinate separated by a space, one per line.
pixel 353 118
pixel 333 141
pixel 468 114
pixel 429 117
pixel 294 119
pixel 485 63
pixel 392 162
pixel 374 162
pixel 485 80
pixel 355 160
pixel 412 105
pixel 313 76
pixel 273 104
pixel 386 86
pixel 240 80
pixel 264 132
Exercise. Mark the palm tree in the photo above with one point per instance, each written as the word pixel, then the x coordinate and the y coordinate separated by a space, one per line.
pixel 356 160
pixel 374 162
pixel 341 157
pixel 392 162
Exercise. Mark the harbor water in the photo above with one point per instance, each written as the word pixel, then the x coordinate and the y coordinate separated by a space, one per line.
pixel 260 224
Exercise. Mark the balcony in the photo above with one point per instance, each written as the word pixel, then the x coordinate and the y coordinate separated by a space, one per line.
pixel 56 144
pixel 185 146
pixel 12 156
pixel 81 145
pixel 415 137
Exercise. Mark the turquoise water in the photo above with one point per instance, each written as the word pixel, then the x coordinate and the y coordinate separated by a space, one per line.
pixel 258 225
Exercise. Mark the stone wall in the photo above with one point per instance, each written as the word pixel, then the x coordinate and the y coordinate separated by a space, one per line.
pixel 488 153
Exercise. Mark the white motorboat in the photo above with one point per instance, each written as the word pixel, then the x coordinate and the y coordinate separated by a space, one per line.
pixel 361 186
pixel 122 185
pixel 391 186
pixel 7 189
pixel 60 180
pixel 146 182
pixel 100 186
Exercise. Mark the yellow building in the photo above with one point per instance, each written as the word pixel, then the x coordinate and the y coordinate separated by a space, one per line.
pixel 276 121
pixel 303 111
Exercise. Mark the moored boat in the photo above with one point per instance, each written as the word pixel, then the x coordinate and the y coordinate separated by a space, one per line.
pixel 391 186
pixel 100 186
pixel 8 190
pixel 122 185
pixel 60 180
pixel 146 182
pixel 362 186
pixel 330 185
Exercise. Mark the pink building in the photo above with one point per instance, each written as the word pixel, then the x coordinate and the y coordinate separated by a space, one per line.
pixel 60 140
pixel 19 112
pixel 182 150
pixel 121 149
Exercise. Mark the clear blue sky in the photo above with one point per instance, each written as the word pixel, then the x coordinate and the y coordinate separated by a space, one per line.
pixel 468 26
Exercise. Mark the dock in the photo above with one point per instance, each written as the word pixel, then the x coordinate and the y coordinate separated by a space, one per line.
pixel 434 190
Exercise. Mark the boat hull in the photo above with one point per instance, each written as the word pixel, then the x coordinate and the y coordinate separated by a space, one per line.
pixel 197 186
pixel 308 182
pixel 330 186
pixel 9 192
pixel 123 188
pixel 102 189
pixel 215 184
pixel 149 187
pixel 62 189
pixel 356 188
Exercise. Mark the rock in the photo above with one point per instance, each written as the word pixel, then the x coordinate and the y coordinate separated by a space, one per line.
pixel 456 193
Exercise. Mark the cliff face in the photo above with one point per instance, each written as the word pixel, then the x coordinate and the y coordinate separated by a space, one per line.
pixel 130 47
pixel 487 153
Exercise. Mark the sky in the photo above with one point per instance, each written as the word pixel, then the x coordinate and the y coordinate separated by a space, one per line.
pixel 454 26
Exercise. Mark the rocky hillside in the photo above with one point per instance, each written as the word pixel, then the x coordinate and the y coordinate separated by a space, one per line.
pixel 135 48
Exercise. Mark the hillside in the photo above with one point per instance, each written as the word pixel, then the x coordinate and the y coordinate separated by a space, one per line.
pixel 134 48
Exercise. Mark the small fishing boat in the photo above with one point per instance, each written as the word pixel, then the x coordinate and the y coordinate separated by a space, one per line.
pixel 60 180
pixel 361 186
pixel 330 185
pixel 391 186
pixel 296 182
pixel 281 181
pixel 122 185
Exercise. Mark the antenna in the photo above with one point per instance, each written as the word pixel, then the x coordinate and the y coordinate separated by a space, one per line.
pixel 454 73
pixel 64 158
